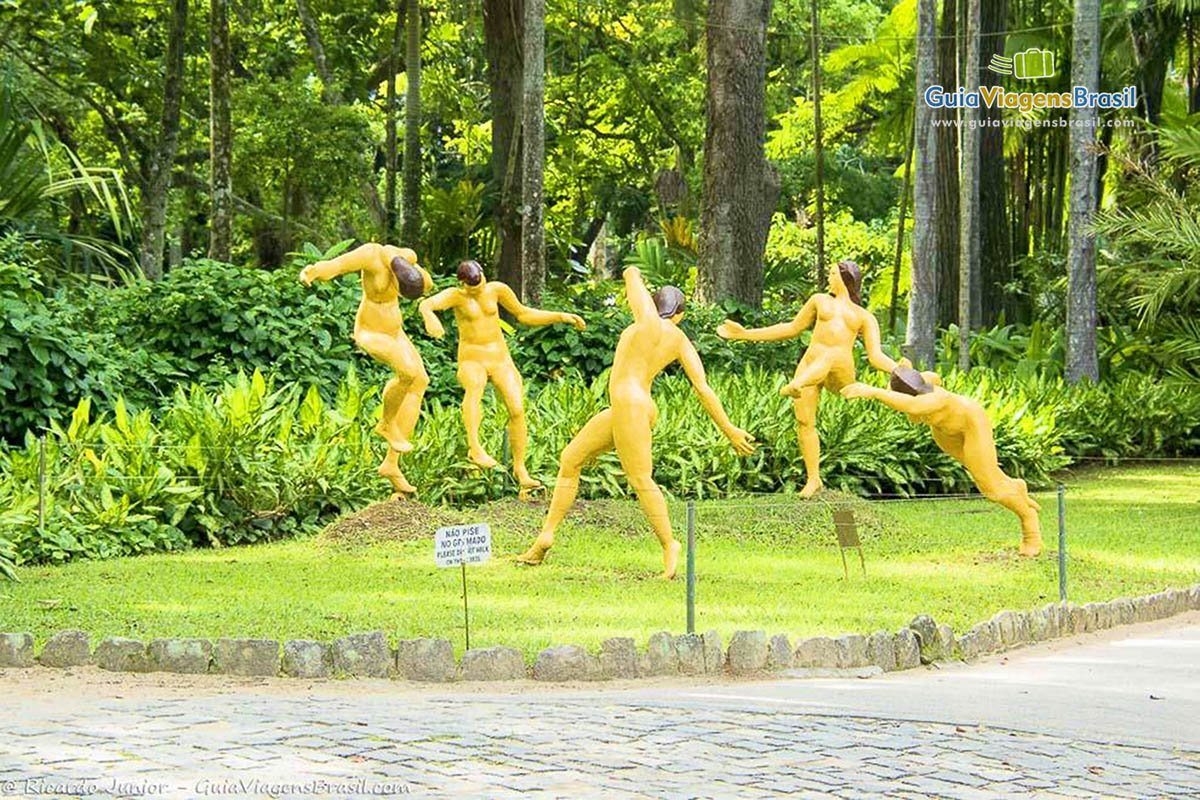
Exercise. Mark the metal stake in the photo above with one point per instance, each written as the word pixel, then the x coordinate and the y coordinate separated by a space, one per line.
pixel 1062 544
pixel 466 616
pixel 691 567
pixel 42 484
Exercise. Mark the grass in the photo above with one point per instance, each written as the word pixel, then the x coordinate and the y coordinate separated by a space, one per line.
pixel 767 563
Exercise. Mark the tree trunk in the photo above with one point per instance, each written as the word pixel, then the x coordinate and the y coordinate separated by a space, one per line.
pixel 503 21
pixel 921 335
pixel 818 145
pixel 158 186
pixel 968 248
pixel 410 181
pixel 390 155
pixel 533 153
pixel 947 172
pixel 741 187
pixel 1192 89
pixel 995 239
pixel 904 192
pixel 220 243
pixel 1081 262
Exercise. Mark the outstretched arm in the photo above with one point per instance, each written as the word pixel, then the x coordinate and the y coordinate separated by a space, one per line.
pixel 917 405
pixel 772 333
pixel 694 368
pixel 534 317
pixel 640 301
pixel 361 257
pixel 871 341
pixel 431 305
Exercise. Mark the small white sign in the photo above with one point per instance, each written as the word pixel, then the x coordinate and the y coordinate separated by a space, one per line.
pixel 462 544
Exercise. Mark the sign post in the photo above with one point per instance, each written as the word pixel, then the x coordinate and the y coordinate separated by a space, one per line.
pixel 460 545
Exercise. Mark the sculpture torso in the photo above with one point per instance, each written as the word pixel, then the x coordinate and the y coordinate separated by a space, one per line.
pixel 644 350
pixel 379 309
pixel 478 318
pixel 837 325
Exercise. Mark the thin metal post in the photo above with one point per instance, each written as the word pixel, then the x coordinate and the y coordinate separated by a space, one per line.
pixel 42 484
pixel 691 567
pixel 466 616
pixel 1062 544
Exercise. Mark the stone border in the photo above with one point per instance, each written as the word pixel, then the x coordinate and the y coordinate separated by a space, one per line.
pixel 368 655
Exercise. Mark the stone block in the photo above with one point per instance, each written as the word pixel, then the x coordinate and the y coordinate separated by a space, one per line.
pixel 660 657
pixel 1005 625
pixel 248 657
pixel 927 638
pixel 779 653
pixel 426 660
pixel 66 649
pixel 689 654
pixel 16 650
pixel 714 657
pixel 566 663
pixel 492 664
pixel 188 656
pixel 908 649
pixel 619 658
pixel 118 654
pixel 362 655
pixel 305 658
pixel 946 639
pixel 881 649
pixel 819 652
pixel 747 652
pixel 851 651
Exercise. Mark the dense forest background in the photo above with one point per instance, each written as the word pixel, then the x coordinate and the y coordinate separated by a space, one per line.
pixel 166 169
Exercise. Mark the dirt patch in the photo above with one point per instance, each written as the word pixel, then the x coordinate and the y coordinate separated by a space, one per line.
pixel 390 521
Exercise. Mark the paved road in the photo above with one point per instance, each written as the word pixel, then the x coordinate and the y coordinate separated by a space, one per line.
pixel 1082 720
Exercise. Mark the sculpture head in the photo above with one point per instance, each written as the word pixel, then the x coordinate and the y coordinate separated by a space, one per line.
pixel 470 275
pixel 845 275
pixel 412 282
pixel 670 302
pixel 907 380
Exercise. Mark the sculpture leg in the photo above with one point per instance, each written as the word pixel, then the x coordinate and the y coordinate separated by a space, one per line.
pixel 473 376
pixel 390 469
pixel 805 408
pixel 632 438
pixel 406 363
pixel 979 457
pixel 595 438
pixel 508 383
pixel 414 390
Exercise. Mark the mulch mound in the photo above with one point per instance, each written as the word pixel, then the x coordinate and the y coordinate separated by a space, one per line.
pixel 391 521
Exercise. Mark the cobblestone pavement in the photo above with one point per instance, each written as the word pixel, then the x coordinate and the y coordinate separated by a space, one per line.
pixel 1106 716
pixel 258 744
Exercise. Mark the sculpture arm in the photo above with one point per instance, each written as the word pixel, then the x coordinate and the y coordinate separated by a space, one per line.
pixel 919 405
pixel 358 259
pixel 693 367
pixel 640 301
pixel 533 317
pixel 871 341
pixel 431 305
pixel 772 333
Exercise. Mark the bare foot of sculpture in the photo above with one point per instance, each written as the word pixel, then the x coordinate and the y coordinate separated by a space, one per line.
pixel 790 389
pixel 400 484
pixel 813 486
pixel 481 459
pixel 671 560
pixel 535 554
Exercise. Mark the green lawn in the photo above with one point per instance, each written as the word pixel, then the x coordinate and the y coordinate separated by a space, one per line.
pixel 766 563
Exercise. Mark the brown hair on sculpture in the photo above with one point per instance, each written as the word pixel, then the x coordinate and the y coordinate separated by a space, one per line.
pixel 669 301
pixel 470 273
pixel 852 277
pixel 907 380
pixel 408 277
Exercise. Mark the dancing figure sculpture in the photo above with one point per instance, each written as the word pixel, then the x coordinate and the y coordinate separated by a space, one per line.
pixel 387 272
pixel 483 356
pixel 837 320
pixel 962 430
pixel 645 348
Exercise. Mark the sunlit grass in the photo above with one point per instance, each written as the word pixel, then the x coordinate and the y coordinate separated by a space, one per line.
pixel 761 563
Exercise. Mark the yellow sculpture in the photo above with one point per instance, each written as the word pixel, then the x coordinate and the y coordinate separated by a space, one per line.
pixel 646 347
pixel 483 356
pixel 387 273
pixel 961 429
pixel 837 321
